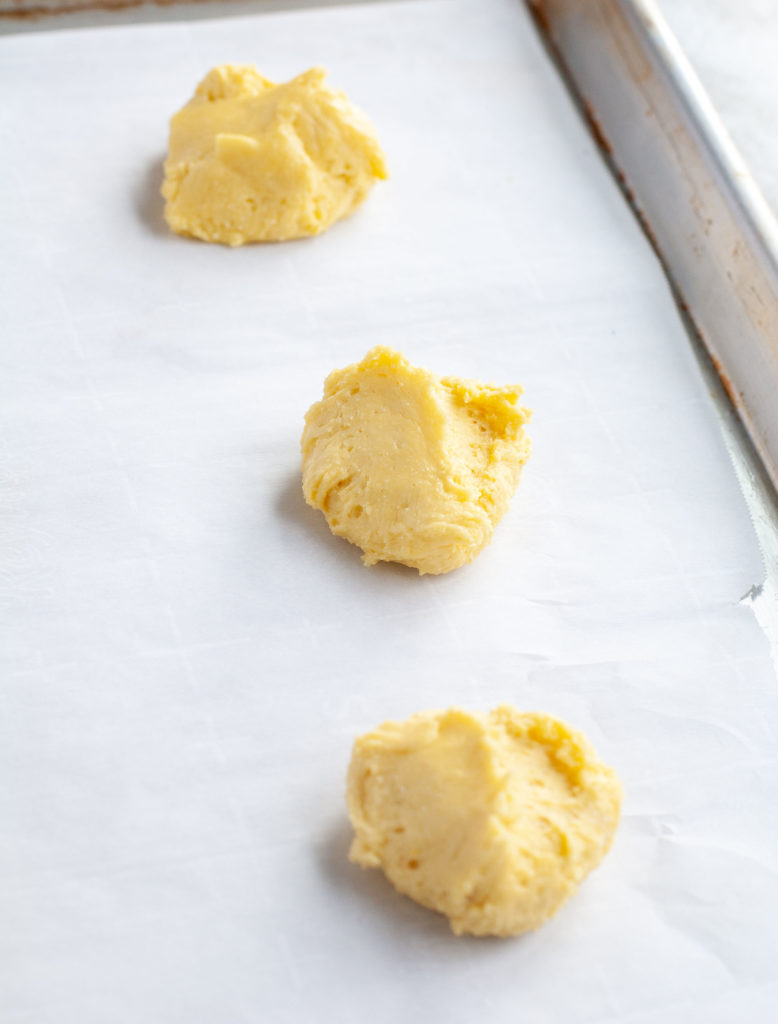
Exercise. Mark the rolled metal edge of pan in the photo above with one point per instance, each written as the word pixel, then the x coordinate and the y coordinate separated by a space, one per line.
pixel 698 203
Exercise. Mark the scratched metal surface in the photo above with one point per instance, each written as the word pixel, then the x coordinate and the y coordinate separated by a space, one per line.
pixel 703 212
pixel 47 15
pixel 688 184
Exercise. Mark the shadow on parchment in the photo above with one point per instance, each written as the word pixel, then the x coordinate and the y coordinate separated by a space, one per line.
pixel 292 508
pixel 149 204
pixel 416 925
pixel 373 890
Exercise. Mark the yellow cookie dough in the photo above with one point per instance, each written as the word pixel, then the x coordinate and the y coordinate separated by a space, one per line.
pixel 491 819
pixel 250 161
pixel 412 467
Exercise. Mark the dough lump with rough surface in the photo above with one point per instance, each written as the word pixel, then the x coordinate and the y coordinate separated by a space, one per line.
pixel 251 161
pixel 491 819
pixel 412 467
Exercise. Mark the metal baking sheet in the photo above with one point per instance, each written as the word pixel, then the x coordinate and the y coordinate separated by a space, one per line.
pixel 696 198
pixel 704 215
pixel 188 653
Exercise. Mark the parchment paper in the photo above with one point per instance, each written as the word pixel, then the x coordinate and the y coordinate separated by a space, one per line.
pixel 188 653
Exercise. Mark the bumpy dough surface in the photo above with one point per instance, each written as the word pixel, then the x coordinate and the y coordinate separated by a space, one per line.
pixel 412 467
pixel 491 819
pixel 250 161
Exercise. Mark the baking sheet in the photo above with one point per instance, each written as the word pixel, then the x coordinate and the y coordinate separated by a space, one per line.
pixel 188 654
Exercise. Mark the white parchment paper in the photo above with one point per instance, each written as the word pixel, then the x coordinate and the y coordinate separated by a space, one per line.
pixel 187 652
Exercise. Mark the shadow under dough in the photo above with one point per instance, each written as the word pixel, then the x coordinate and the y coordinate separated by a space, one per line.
pixel 408 919
pixel 292 508
pixel 149 204
pixel 372 888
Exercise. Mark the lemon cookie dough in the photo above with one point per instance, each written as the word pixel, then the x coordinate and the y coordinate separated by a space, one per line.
pixel 492 819
pixel 251 161
pixel 412 467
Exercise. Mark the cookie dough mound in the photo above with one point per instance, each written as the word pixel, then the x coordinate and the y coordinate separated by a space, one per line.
pixel 491 819
pixel 412 467
pixel 250 161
